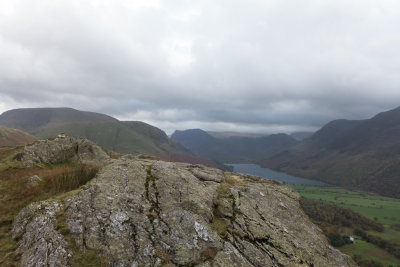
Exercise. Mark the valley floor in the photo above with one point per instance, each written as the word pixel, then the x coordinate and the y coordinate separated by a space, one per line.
pixel 381 209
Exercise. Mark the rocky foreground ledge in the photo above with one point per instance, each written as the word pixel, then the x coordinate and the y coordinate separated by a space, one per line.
pixel 154 213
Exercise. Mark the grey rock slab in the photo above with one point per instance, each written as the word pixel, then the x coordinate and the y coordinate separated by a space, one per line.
pixel 40 244
pixel 152 213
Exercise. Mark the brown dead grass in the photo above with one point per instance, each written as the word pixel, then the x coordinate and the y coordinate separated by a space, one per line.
pixel 15 194
pixel 8 151
pixel 231 180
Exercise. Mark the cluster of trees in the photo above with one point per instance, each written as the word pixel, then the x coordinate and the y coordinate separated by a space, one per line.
pixel 329 216
pixel 395 227
pixel 333 219
pixel 392 248
pixel 338 240
pixel 366 262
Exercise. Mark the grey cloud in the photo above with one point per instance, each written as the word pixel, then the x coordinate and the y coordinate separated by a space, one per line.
pixel 252 65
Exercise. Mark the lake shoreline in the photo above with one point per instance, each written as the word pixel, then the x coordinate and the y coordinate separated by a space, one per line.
pixel 254 169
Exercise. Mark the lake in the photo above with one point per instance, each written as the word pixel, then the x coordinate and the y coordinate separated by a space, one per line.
pixel 254 169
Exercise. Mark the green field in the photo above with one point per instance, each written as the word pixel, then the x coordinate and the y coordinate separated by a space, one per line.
pixel 364 248
pixel 382 209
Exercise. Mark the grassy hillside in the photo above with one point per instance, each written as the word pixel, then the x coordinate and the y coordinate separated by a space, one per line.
pixel 122 137
pixel 129 137
pixel 126 137
pixel 361 154
pixel 13 137
pixel 31 120
pixel 232 149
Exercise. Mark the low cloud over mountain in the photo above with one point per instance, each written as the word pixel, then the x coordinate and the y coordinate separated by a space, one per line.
pixel 251 66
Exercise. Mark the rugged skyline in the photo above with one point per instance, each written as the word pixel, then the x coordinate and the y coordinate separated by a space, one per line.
pixel 251 66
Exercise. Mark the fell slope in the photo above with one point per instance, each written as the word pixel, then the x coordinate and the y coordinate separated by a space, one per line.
pixel 31 120
pixel 234 149
pixel 13 137
pixel 362 154
pixel 126 137
pixel 121 136
pixel 154 213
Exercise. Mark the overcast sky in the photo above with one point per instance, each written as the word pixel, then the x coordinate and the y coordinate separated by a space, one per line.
pixel 233 65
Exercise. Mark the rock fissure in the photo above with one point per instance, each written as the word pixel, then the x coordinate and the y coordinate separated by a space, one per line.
pixel 260 214
pixel 250 259
pixel 155 209
pixel 251 239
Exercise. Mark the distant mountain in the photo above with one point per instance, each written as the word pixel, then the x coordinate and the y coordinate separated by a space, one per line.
pixel 13 137
pixel 300 136
pixel 362 154
pixel 233 134
pixel 232 149
pixel 126 137
pixel 32 120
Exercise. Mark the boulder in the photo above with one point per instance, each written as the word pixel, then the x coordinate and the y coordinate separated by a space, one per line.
pixel 59 150
pixel 34 180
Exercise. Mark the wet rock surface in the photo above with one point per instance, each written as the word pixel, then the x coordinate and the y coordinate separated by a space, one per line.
pixel 66 149
pixel 154 213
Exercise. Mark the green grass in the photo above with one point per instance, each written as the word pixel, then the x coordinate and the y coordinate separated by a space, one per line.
pixel 389 234
pixel 363 248
pixel 383 209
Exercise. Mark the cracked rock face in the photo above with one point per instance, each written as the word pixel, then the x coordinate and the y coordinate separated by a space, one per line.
pixel 154 213
pixel 39 242
pixel 63 150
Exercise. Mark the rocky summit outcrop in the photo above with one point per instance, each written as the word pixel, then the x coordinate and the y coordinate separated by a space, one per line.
pixel 140 212
pixel 62 149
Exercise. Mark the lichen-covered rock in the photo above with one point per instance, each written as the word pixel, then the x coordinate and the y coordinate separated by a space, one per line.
pixel 66 149
pixel 40 244
pixel 34 180
pixel 154 213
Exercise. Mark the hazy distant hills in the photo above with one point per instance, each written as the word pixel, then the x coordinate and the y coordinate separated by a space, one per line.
pixel 300 136
pixel 296 135
pixel 131 137
pixel 14 137
pixel 233 134
pixel 362 154
pixel 232 149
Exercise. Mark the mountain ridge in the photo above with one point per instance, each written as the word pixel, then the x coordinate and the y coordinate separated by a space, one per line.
pixel 31 119
pixel 358 154
pixel 233 149
pixel 126 137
